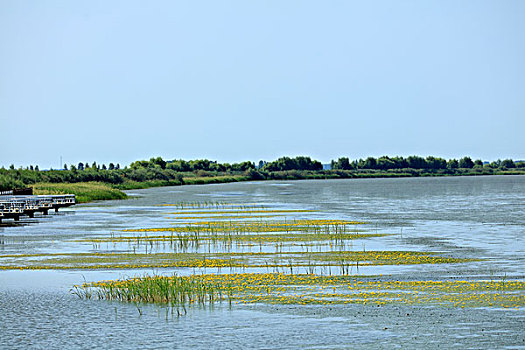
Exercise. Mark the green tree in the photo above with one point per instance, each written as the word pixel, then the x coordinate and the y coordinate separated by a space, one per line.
pixel 508 163
pixel 416 162
pixel 452 164
pixel 297 163
pixel 435 163
pixel 370 163
pixel 466 163
pixel 385 163
pixel 342 163
pixel 159 162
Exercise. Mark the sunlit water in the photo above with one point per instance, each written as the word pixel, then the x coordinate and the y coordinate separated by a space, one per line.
pixel 471 217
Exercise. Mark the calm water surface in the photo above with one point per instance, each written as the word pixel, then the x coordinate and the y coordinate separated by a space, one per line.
pixel 479 217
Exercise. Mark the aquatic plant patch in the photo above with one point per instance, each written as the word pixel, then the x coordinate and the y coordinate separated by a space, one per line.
pixel 304 289
pixel 312 226
pixel 213 205
pixel 242 211
pixel 343 260
pixel 264 238
pixel 222 217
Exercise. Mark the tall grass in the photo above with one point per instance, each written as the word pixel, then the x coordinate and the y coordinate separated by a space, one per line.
pixel 84 191
pixel 175 290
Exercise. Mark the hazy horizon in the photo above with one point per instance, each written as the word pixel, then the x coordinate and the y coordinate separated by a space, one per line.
pixel 232 81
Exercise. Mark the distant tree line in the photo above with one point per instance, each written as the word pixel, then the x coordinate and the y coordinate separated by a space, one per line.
pixel 297 163
pixel 416 162
pixel 175 171
pixel 155 169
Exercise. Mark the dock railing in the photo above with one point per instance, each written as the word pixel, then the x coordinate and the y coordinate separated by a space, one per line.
pixel 13 207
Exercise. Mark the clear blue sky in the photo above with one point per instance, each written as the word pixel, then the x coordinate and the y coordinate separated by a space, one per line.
pixel 117 81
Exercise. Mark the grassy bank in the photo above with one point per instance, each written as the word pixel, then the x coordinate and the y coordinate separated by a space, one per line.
pixel 84 191
pixel 135 185
pixel 190 180
pixel 215 179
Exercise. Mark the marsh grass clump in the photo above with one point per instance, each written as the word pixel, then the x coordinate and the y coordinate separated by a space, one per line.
pixel 174 290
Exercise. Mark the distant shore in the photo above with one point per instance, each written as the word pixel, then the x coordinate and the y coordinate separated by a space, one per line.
pixel 95 191
pixel 101 182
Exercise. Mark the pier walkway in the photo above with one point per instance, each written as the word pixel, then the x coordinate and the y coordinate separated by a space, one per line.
pixel 13 207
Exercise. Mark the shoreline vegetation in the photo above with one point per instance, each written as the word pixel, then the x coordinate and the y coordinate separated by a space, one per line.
pixel 101 182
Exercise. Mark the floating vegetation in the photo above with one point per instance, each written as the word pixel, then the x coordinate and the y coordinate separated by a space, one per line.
pixel 258 238
pixel 225 217
pixel 100 261
pixel 212 205
pixel 308 261
pixel 315 226
pixel 254 210
pixel 304 289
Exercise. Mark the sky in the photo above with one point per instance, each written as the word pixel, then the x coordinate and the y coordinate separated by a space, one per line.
pixel 118 81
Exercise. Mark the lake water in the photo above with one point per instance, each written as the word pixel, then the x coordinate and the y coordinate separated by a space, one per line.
pixel 469 217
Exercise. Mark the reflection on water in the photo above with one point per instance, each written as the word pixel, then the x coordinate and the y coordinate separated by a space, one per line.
pixel 472 217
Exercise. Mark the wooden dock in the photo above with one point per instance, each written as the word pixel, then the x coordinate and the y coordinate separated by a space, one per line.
pixel 13 207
